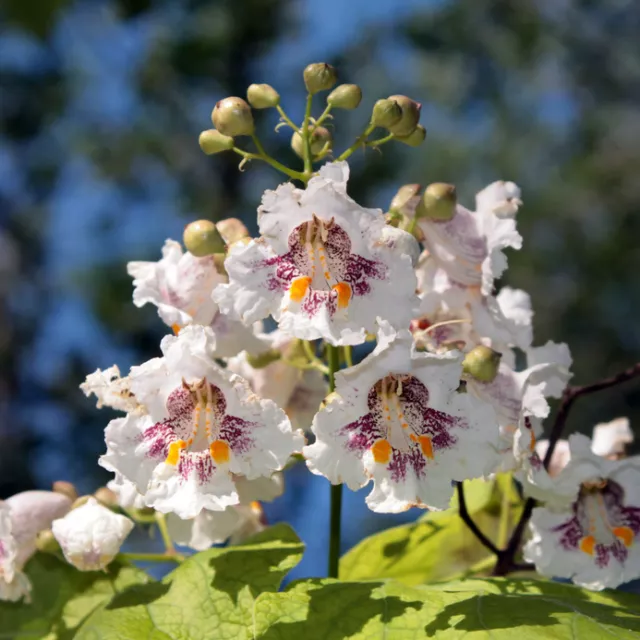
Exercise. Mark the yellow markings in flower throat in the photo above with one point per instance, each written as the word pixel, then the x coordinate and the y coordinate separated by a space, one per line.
pixel 381 451
pixel 176 329
pixel 299 287
pixel 174 452
pixel 219 450
pixel 625 534
pixel 344 294
pixel 588 544
pixel 426 446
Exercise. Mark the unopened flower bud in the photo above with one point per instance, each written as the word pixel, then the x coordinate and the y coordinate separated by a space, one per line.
pixel 386 113
pixel 46 542
pixel 106 497
pixel 232 230
pixel 438 202
pixel 345 96
pixel 233 117
pixel 65 488
pixel 91 535
pixel 409 118
pixel 201 238
pixel 482 363
pixel 319 76
pixel 212 141
pixel 405 200
pixel 393 219
pixel 264 359
pixel 414 139
pixel 262 96
pixel 321 138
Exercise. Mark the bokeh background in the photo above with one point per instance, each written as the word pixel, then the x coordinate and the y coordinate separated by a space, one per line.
pixel 101 103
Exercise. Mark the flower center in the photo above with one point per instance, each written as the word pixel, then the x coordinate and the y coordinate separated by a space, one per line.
pixel 398 428
pixel 206 415
pixel 599 512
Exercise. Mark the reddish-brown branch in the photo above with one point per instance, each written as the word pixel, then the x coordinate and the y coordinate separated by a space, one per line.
pixel 468 520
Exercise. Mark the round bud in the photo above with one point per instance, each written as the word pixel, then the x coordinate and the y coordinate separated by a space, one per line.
pixel 212 141
pixel 106 496
pixel 233 117
pixel 264 359
pixel 409 119
pixel 262 96
pixel 232 230
pixel 386 113
pixel 320 139
pixel 201 238
pixel 416 138
pixel 345 96
pixel 319 76
pixel 438 202
pixel 405 199
pixel 46 542
pixel 482 363
pixel 65 488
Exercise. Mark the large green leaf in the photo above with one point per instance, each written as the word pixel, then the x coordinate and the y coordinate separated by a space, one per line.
pixel 439 546
pixel 62 598
pixel 474 610
pixel 211 595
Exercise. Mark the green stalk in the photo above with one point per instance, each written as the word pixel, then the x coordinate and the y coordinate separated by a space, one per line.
pixel 333 360
pixel 306 139
pixel 360 142
pixel 286 118
pixel 262 155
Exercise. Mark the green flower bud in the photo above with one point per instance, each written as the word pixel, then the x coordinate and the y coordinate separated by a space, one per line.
pixel 47 543
pixel 264 359
pixel 416 138
pixel 232 230
pixel 406 196
pixel 409 119
pixel 212 141
pixel 438 202
pixel 386 113
pixel 79 502
pixel 320 139
pixel 262 96
pixel 394 219
pixel 345 96
pixel 65 488
pixel 201 238
pixel 218 262
pixel 319 76
pixel 233 117
pixel 482 363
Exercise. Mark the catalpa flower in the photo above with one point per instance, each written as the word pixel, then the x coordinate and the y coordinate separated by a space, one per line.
pixel 397 419
pixel 501 198
pixel 469 247
pixel 610 439
pixel 14 584
pixel 111 389
pixel 180 285
pixel 299 392
pixel 200 425
pixel 91 535
pixel 324 267
pixel 594 539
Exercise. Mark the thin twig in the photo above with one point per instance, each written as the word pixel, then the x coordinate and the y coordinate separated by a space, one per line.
pixel 466 518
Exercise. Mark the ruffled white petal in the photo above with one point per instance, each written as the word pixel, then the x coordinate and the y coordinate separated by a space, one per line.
pixel 111 390
pixel 14 585
pixel 612 438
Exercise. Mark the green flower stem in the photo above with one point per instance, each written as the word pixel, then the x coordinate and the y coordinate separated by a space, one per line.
pixel 286 118
pixel 151 557
pixel 306 139
pixel 313 358
pixel 348 356
pixel 325 114
pixel 505 513
pixel 311 365
pixel 262 155
pixel 380 141
pixel 161 521
pixel 360 142
pixel 333 359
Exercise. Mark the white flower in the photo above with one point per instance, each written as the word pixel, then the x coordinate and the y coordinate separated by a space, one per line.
pixel 397 419
pixel 91 535
pixel 553 364
pixel 499 198
pixel 33 512
pixel 469 247
pixel 610 439
pixel 180 285
pixel 111 390
pixel 126 493
pixel 298 392
pixel 324 267
pixel 235 523
pixel 594 540
pixel 202 425
pixel 14 585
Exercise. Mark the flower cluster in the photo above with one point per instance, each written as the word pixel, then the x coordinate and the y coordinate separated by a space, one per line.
pixel 454 389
